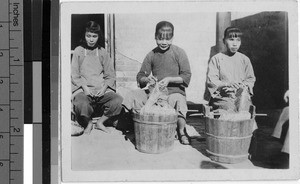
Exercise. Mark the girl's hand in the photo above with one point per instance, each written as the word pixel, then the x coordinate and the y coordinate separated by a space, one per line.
pixel 100 92
pixel 164 82
pixel 229 89
pixel 234 85
pixel 150 79
pixel 87 91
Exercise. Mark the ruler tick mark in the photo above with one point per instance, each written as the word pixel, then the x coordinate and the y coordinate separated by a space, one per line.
pixel 14 45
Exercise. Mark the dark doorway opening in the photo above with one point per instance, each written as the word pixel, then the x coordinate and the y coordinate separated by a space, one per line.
pixel 78 22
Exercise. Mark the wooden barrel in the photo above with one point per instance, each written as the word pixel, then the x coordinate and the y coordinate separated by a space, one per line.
pixel 154 133
pixel 228 141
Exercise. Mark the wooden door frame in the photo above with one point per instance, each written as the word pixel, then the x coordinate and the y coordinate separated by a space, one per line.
pixel 110 36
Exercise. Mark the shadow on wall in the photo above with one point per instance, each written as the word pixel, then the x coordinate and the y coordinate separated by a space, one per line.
pixel 213 51
pixel 265 42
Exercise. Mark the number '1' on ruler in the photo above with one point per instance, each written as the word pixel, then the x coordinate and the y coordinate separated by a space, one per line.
pixel 11 92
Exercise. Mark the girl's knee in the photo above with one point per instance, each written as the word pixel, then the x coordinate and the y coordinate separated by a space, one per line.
pixel 81 103
pixel 116 101
pixel 80 97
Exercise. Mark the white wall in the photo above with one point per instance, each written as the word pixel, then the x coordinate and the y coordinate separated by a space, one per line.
pixel 239 15
pixel 194 32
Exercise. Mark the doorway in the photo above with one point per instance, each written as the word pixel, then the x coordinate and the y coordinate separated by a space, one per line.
pixel 78 22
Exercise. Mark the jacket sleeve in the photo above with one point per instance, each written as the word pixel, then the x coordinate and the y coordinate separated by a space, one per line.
pixel 109 74
pixel 76 78
pixel 213 77
pixel 145 71
pixel 184 68
pixel 250 77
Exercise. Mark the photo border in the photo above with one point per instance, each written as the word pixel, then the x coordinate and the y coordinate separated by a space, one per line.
pixel 68 8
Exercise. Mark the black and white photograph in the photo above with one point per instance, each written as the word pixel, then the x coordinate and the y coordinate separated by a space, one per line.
pixel 178 91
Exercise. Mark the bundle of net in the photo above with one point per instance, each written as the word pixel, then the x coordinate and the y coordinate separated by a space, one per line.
pixel 157 104
pixel 240 110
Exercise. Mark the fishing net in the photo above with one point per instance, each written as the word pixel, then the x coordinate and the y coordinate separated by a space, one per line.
pixel 243 100
pixel 157 104
pixel 240 109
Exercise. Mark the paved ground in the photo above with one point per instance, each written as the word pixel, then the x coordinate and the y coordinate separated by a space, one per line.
pixel 116 151
pixel 101 151
pixel 265 150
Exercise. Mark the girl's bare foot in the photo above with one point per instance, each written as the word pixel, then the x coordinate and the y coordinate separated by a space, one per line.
pixel 88 128
pixel 100 126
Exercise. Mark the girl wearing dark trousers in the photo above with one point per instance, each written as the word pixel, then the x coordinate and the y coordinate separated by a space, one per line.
pixel 93 81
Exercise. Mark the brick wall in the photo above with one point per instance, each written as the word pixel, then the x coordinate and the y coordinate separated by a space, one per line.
pixel 134 39
pixel 126 71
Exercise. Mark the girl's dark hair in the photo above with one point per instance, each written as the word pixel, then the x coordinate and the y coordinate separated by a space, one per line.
pixel 93 27
pixel 163 24
pixel 232 32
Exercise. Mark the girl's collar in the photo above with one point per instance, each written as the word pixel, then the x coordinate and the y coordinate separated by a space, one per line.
pixel 88 47
pixel 229 54
pixel 158 50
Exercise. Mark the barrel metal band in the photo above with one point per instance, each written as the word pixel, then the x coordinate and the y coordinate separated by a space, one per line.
pixel 219 137
pixel 228 156
pixel 154 122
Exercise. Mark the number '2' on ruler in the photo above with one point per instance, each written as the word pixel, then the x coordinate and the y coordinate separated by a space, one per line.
pixel 11 92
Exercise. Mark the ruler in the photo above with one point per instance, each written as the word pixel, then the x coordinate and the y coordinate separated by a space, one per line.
pixel 11 92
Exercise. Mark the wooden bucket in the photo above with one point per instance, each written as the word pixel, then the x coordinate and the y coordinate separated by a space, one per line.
pixel 154 133
pixel 228 141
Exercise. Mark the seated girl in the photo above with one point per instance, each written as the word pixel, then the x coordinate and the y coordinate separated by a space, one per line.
pixel 93 79
pixel 229 71
pixel 170 66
